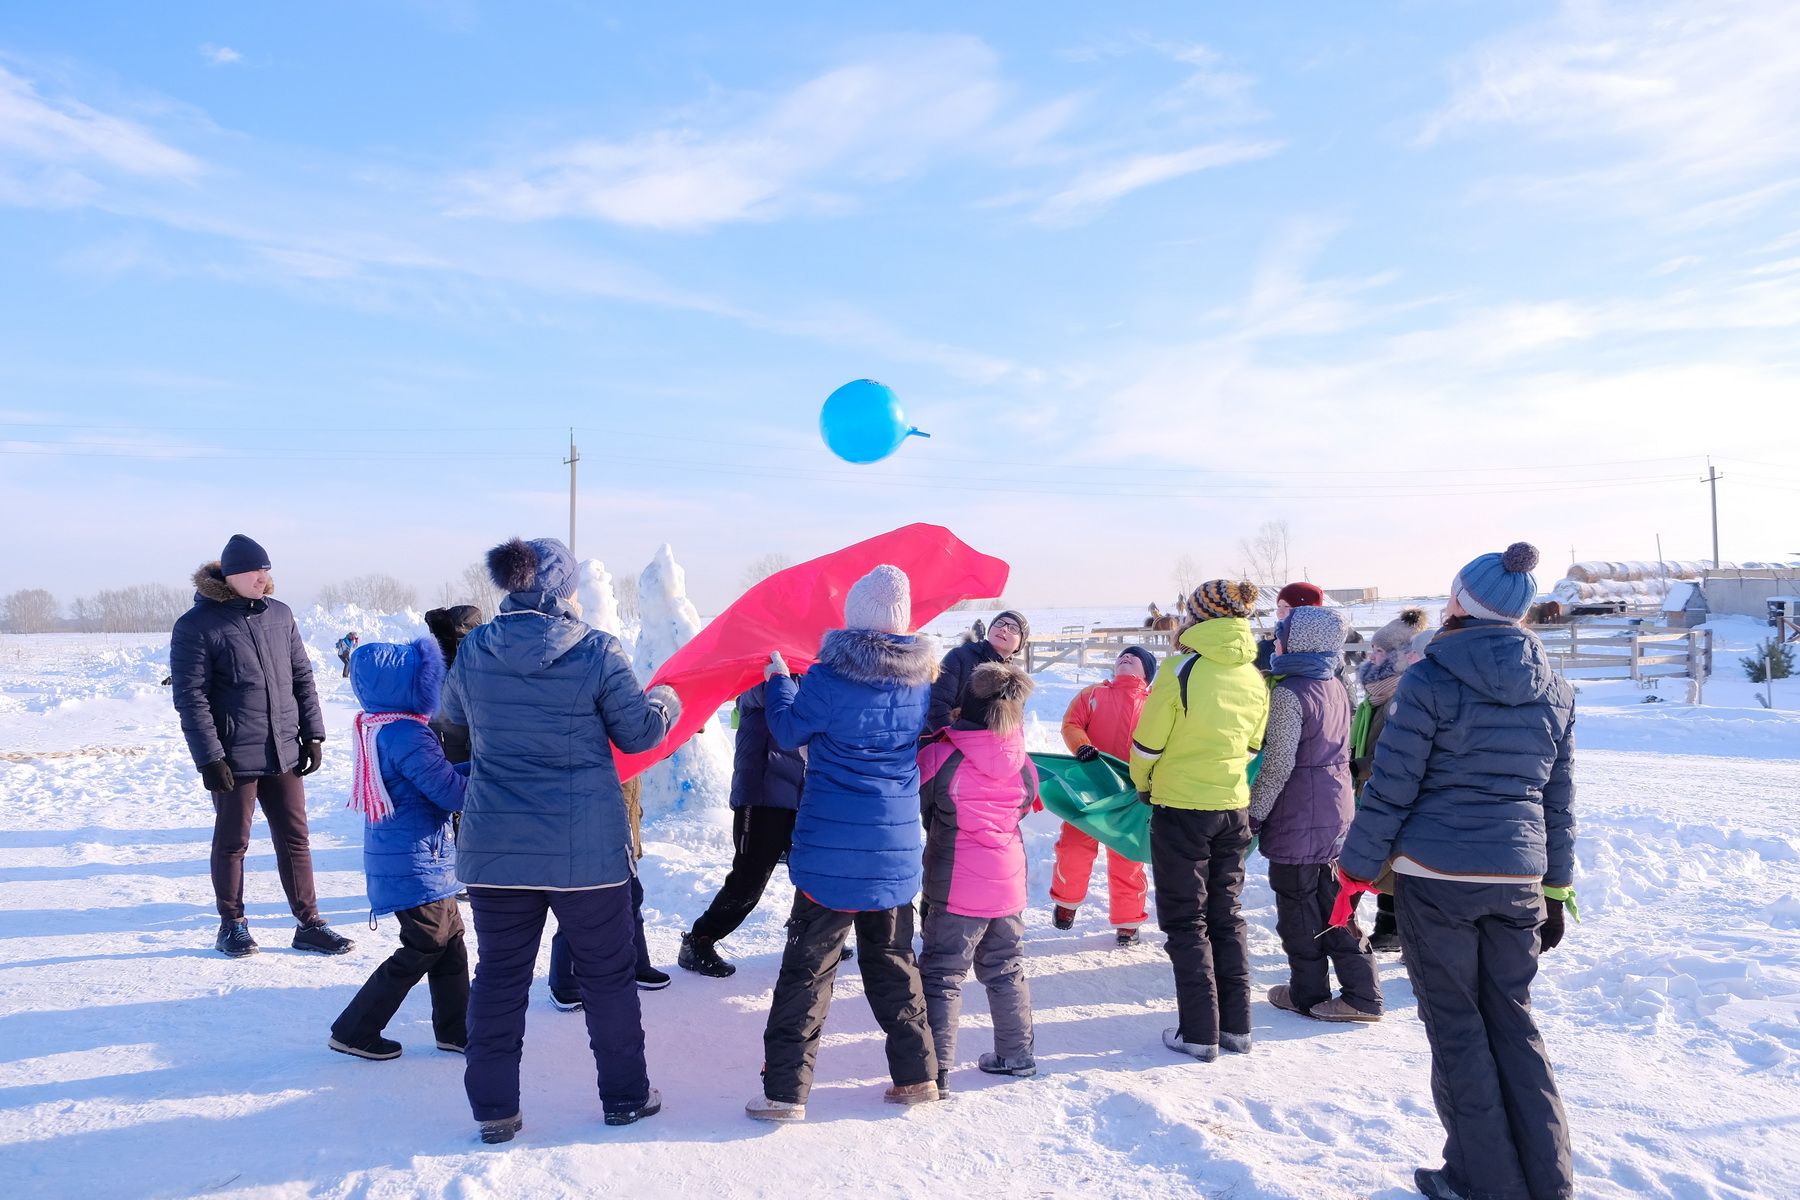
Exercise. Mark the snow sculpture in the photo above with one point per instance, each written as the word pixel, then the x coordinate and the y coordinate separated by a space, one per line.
pixel 698 775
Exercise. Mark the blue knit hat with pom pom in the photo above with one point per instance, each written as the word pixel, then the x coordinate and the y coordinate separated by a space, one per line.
pixel 1498 587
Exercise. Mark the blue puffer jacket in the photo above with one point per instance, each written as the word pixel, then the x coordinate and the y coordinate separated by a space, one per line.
pixel 763 774
pixel 859 711
pixel 1472 774
pixel 545 699
pixel 408 857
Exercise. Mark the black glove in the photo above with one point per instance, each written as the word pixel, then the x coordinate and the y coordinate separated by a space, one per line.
pixel 1552 932
pixel 1087 753
pixel 218 777
pixel 311 755
pixel 1143 797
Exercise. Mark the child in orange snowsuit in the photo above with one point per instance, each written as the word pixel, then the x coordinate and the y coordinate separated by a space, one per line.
pixel 1100 720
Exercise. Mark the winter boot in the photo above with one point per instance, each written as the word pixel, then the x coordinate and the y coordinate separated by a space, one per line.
pixel 502 1130
pixel 1282 997
pixel 320 938
pixel 376 1049
pixel 649 979
pixel 911 1093
pixel 1432 1184
pixel 702 958
pixel 764 1109
pixel 1339 1009
pixel 1021 1067
pixel 565 1001
pixel 1384 943
pixel 1063 917
pixel 234 939
pixel 1128 937
pixel 1172 1039
pixel 1235 1043
pixel 943 1082
pixel 649 1108
pixel 849 954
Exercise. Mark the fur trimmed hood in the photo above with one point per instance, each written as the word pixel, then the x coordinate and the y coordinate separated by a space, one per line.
pixel 209 584
pixel 868 656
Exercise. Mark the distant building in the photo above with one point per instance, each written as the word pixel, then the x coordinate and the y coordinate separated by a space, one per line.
pixel 1746 592
pixel 1366 595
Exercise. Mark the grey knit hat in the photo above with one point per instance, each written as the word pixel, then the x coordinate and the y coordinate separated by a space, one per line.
pixel 1399 632
pixel 880 600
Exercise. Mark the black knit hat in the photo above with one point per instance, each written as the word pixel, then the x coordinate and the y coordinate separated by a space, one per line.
pixel 1144 656
pixel 240 555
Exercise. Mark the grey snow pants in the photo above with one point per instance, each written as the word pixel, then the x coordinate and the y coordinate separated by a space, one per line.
pixel 1471 950
pixel 995 948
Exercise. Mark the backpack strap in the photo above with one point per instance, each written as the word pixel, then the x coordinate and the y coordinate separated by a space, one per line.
pixel 1187 668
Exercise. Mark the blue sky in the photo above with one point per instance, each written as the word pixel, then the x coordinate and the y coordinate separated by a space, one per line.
pixel 1420 279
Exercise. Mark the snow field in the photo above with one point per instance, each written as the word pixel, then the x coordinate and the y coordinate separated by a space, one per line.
pixel 135 1062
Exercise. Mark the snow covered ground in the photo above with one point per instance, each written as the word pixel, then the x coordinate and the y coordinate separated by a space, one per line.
pixel 135 1062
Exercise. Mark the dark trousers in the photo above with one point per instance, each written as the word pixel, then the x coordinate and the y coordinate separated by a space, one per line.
pixel 815 946
pixel 283 800
pixel 760 836
pixel 509 925
pixel 563 969
pixel 1197 860
pixel 1471 950
pixel 1303 899
pixel 431 947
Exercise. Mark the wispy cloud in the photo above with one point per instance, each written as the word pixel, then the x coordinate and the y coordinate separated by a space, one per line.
pixel 1098 187
pixel 808 150
pixel 219 56
pixel 1689 105
pixel 51 146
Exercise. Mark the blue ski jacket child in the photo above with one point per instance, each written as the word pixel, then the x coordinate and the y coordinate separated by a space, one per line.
pixel 409 857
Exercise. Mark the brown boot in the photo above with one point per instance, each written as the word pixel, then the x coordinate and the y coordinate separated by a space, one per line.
pixel 911 1093
pixel 1339 1009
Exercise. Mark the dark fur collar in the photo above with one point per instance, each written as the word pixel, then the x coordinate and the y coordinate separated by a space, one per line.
pixel 209 581
pixel 866 656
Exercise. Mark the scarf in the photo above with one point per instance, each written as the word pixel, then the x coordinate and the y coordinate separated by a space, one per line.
pixel 1381 690
pixel 1307 664
pixel 368 794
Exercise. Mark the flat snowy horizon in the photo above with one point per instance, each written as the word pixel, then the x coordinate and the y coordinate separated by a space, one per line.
pixel 136 1062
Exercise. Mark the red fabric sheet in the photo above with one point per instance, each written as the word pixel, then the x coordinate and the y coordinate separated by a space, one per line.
pixel 792 610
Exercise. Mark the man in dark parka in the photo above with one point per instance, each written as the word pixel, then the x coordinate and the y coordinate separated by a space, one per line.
pixel 243 686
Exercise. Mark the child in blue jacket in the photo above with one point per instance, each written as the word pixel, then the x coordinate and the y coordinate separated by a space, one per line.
pixel 406 790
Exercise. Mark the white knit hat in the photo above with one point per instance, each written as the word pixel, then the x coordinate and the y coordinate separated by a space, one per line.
pixel 880 600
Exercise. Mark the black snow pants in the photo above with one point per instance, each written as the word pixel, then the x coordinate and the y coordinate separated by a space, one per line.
pixel 896 995
pixel 1304 895
pixel 1471 950
pixel 431 947
pixel 760 836
pixel 1197 860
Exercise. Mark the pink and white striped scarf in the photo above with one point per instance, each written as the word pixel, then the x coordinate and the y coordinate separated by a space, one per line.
pixel 368 794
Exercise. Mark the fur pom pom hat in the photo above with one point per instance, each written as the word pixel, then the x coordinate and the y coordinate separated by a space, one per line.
pixel 880 600
pixel 996 698
pixel 1397 634
pixel 1498 587
pixel 1221 598
pixel 540 565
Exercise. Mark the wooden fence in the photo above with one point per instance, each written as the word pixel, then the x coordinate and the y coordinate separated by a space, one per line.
pixel 1621 649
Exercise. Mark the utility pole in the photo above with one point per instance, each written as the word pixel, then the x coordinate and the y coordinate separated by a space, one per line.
pixel 569 462
pixel 1712 480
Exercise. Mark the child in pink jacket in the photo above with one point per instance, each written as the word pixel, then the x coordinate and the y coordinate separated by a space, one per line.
pixel 975 784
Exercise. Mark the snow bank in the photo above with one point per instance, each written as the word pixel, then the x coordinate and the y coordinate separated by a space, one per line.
pixel 699 774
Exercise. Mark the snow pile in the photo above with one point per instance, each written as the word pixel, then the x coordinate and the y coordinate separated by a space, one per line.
pixel 699 773
pixel 599 602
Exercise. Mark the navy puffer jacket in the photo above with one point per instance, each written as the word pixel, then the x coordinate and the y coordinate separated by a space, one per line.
pixel 764 774
pixel 1472 774
pixel 545 699
pixel 408 857
pixel 859 711
pixel 241 681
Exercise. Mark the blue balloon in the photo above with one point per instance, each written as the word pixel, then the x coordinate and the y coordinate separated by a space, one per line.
pixel 862 423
